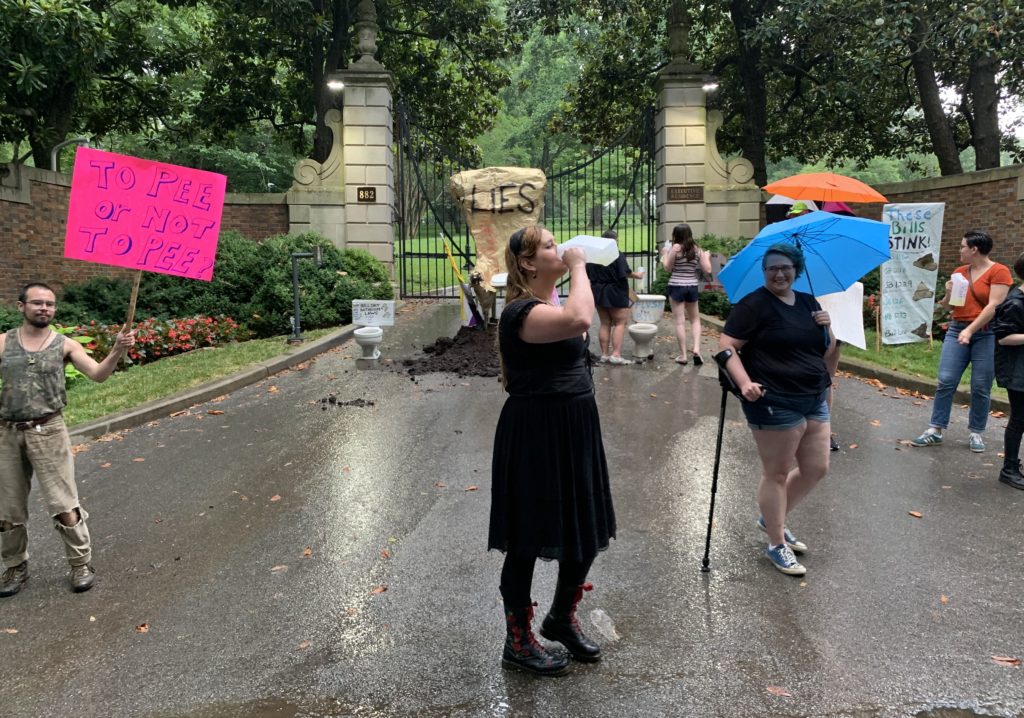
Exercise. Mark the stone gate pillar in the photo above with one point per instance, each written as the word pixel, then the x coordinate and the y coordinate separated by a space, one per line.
pixel 695 184
pixel 350 197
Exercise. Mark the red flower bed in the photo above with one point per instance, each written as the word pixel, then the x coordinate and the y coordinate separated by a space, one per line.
pixel 159 338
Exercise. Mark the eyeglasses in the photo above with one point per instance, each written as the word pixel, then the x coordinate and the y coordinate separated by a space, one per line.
pixel 776 268
pixel 38 303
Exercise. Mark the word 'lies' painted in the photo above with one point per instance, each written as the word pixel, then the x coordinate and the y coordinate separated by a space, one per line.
pixel 135 213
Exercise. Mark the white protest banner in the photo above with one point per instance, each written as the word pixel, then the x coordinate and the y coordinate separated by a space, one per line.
pixel 373 312
pixel 908 278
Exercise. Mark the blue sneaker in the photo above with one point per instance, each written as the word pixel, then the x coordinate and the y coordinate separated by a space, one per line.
pixel 784 560
pixel 795 544
pixel 977 445
pixel 928 438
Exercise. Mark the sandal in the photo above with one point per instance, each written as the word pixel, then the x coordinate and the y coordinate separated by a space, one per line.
pixel 697 360
pixel 680 359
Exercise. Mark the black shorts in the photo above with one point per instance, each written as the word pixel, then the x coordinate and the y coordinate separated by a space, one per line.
pixel 683 293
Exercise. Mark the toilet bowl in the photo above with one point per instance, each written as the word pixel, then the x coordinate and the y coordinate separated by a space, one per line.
pixel 642 334
pixel 647 310
pixel 369 338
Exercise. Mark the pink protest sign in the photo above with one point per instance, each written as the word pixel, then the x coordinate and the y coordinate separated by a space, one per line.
pixel 146 215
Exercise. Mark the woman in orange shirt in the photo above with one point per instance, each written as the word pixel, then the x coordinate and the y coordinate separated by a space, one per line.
pixel 969 340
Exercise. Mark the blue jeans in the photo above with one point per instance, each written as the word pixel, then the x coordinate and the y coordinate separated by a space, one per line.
pixel 953 362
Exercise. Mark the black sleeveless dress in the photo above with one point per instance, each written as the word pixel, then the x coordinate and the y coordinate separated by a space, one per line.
pixel 550 492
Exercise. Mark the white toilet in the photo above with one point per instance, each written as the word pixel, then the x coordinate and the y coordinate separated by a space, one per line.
pixel 647 310
pixel 368 338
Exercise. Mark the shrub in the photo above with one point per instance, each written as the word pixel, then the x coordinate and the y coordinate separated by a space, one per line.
pixel 252 283
pixel 159 338
pixel 9 318
pixel 716 304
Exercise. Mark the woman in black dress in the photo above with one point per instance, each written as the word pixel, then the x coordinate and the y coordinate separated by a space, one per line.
pixel 611 295
pixel 550 490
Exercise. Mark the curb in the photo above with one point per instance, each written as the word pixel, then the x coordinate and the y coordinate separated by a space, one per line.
pixel 887 376
pixel 161 408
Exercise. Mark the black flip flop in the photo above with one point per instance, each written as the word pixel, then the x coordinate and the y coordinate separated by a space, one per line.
pixel 697 360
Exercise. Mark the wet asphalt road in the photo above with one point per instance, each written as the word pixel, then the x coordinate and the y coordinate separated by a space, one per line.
pixel 255 544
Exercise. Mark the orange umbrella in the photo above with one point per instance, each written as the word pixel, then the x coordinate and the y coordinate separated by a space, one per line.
pixel 825 187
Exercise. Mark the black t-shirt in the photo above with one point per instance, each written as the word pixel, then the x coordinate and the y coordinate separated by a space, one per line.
pixel 785 349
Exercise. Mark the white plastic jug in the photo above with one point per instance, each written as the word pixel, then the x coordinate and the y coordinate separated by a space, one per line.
pixel 958 292
pixel 599 250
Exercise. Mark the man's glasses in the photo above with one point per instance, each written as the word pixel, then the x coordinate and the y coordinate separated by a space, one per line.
pixel 39 303
pixel 776 268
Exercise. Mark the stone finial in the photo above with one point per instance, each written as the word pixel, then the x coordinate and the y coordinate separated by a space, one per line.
pixel 366 29
pixel 678 31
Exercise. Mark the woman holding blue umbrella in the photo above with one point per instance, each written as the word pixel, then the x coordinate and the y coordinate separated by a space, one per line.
pixel 774 348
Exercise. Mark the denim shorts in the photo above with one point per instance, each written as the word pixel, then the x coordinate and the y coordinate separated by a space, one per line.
pixel 785 411
pixel 683 293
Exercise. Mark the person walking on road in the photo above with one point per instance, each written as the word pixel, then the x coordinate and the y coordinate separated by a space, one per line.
pixel 611 295
pixel 683 259
pixel 775 351
pixel 969 340
pixel 1008 327
pixel 550 490
pixel 34 438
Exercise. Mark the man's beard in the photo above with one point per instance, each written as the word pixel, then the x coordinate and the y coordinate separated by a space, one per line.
pixel 39 323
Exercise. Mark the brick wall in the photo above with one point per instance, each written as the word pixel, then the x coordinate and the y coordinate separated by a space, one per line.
pixel 33 217
pixel 990 200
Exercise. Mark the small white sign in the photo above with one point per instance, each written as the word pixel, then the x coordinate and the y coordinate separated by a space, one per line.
pixel 373 312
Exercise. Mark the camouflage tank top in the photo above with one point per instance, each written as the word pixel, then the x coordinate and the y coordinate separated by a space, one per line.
pixel 33 381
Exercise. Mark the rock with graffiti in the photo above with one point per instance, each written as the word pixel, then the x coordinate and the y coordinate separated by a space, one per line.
pixel 496 201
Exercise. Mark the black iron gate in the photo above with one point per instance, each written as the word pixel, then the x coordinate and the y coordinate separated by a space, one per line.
pixel 429 218
pixel 612 189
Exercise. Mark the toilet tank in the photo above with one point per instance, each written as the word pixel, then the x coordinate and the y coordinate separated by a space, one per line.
pixel 648 308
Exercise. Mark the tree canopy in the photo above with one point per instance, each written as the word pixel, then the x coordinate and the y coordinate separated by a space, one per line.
pixel 816 80
pixel 202 70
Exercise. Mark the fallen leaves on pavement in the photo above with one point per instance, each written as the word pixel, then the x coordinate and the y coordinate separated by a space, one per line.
pixel 915 514
pixel 471 488
pixel 10 631
pixel 777 691
pixel 379 589
pixel 280 568
pixel 1006 661
pixel 307 552
pixel 215 411
pixel 385 554
pixel 304 645
pixel 275 497
pixel 142 628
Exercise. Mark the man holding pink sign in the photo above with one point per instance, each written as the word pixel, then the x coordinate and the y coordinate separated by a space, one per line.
pixel 34 438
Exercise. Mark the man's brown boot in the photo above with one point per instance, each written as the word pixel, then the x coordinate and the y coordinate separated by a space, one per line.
pixel 13 579
pixel 81 577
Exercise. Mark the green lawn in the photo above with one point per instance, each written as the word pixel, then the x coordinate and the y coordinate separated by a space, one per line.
pixel 919 359
pixel 137 385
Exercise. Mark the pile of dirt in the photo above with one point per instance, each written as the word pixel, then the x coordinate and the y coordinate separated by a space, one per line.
pixel 472 352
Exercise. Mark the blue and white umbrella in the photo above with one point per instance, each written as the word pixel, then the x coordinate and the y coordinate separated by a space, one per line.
pixel 838 251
